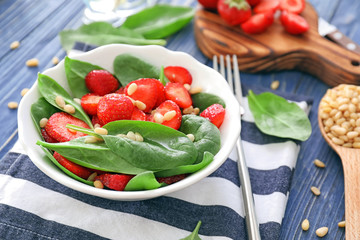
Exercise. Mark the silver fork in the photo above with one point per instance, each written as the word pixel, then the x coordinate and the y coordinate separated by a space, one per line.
pixel 235 85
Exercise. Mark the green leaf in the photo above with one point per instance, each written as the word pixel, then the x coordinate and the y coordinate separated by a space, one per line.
pixel 162 148
pixel 143 181
pixel 207 159
pixel 50 89
pixel 128 68
pixel 207 135
pixel 76 72
pixel 163 79
pixel 102 33
pixel 92 155
pixel 159 21
pixel 194 235
pixel 203 100
pixel 276 116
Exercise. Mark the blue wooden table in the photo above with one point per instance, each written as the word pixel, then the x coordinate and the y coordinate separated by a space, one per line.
pixel 36 24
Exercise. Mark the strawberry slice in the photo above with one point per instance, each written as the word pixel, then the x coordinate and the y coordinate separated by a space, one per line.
pixel 101 82
pixel 76 169
pixel 95 120
pixel 177 93
pixel 138 115
pixel 113 106
pixel 164 108
pixel 89 103
pixel 47 137
pixel 144 90
pixel 215 113
pixel 171 179
pixel 56 127
pixel 120 90
pixel 114 181
pixel 161 93
pixel 178 74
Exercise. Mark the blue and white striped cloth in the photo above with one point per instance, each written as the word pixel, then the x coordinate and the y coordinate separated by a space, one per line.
pixel 33 206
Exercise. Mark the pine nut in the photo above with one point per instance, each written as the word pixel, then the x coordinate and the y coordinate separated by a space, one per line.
pixel 319 163
pixel 121 135
pixel 91 139
pixel 169 115
pixel 100 131
pixel 352 134
pixel 69 109
pixel 97 125
pixel 341 224
pixel 275 85
pixel 159 118
pixel 321 232
pixel 77 100
pixel 131 135
pixel 98 184
pixel 188 110
pixel 138 137
pixel 191 137
pixel 305 225
pixel 187 86
pixel 55 60
pixel 196 111
pixel 195 90
pixel 14 45
pixel 13 105
pixel 33 62
pixel 140 105
pixel 24 91
pixel 60 101
pixel 43 122
pixel 315 191
pixel 92 177
pixel 132 88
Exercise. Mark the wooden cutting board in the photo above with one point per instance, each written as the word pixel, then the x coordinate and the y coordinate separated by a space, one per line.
pixel 276 50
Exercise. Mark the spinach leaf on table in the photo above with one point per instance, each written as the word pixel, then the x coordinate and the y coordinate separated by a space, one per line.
pixel 143 181
pixel 203 100
pixel 276 116
pixel 160 21
pixel 195 234
pixel 41 109
pixel 50 89
pixel 76 72
pixel 162 148
pixel 207 135
pixel 128 68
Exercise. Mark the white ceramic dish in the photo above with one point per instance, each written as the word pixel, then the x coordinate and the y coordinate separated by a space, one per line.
pixel 210 80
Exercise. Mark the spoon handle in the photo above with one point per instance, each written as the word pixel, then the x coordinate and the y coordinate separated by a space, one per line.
pixel 351 164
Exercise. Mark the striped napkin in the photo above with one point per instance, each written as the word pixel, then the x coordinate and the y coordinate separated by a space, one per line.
pixel 33 206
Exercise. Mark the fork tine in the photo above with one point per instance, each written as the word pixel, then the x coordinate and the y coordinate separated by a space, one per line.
pixel 229 73
pixel 222 66
pixel 238 91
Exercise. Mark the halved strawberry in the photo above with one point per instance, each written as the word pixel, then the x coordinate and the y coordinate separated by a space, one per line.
pixel 95 120
pixel 178 74
pixel 139 115
pixel 114 107
pixel 215 113
pixel 177 93
pixel 161 93
pixel 101 82
pixel 120 90
pixel 144 90
pixel 89 103
pixel 47 137
pixel 76 169
pixel 165 107
pixel 114 181
pixel 56 127
pixel 172 179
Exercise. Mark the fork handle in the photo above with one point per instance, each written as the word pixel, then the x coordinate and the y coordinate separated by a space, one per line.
pixel 250 216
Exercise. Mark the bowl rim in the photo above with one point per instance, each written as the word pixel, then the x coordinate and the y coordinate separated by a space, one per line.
pixel 58 175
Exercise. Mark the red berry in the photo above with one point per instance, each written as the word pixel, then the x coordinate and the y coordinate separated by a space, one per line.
pixel 114 107
pixel 177 93
pixel 47 137
pixel 101 82
pixel 165 107
pixel 95 120
pixel 89 103
pixel 172 179
pixel 76 169
pixel 114 181
pixel 215 113
pixel 138 115
pixel 56 127
pixel 120 90
pixel 146 91
pixel 178 74
pixel 161 93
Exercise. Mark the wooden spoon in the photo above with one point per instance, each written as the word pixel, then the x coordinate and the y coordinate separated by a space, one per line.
pixel 350 158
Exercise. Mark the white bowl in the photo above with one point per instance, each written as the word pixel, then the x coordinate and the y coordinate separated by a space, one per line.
pixel 210 80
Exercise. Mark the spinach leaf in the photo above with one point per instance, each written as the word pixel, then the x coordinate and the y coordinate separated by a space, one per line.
pixel 92 155
pixel 162 148
pixel 203 100
pixel 102 33
pixel 207 159
pixel 143 181
pixel 50 89
pixel 276 116
pixel 194 235
pixel 207 135
pixel 159 21
pixel 76 72
pixel 72 175
pixel 163 79
pixel 41 109
pixel 128 68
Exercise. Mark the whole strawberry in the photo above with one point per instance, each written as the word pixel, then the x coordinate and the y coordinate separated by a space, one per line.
pixel 101 82
pixel 114 107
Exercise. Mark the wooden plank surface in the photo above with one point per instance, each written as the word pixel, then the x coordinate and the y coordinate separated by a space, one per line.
pixel 36 24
